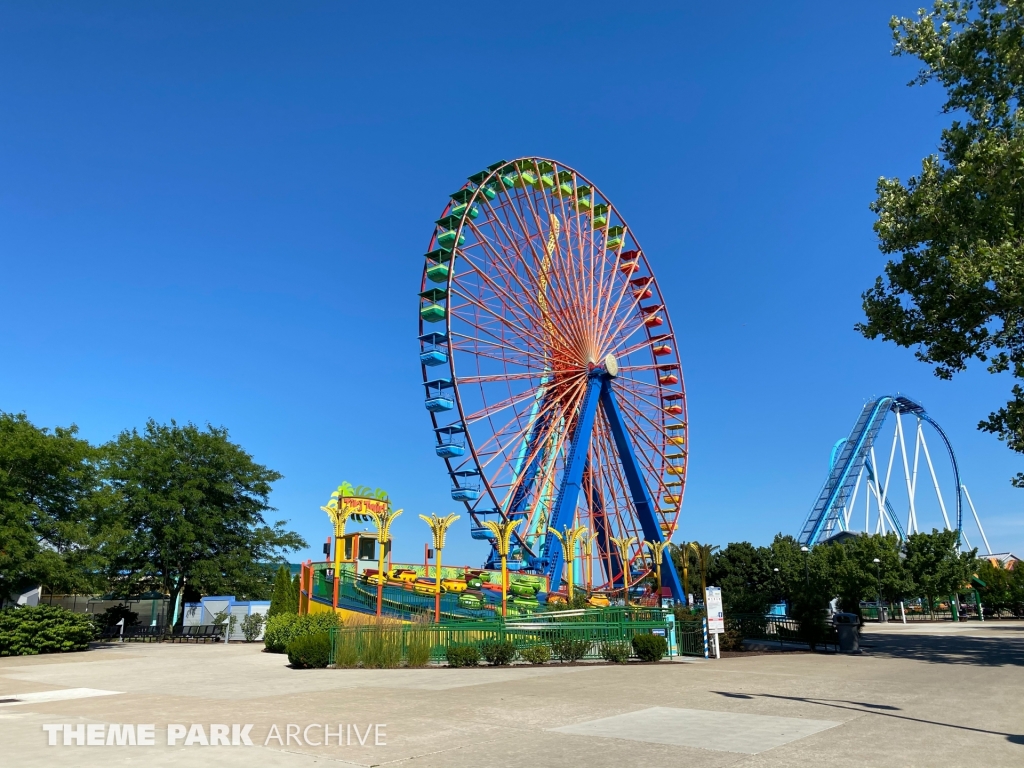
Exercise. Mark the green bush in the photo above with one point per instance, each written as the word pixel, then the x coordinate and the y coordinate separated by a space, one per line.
pixel 346 649
pixel 498 654
pixel 462 655
pixel 650 647
pixel 617 653
pixel 285 627
pixel 417 652
pixel 251 626
pixel 570 649
pixel 310 651
pixel 382 646
pixel 44 629
pixel 112 615
pixel 536 654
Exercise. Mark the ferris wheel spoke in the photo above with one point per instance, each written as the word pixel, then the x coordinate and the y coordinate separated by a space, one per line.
pixel 500 258
pixel 524 334
pixel 562 291
pixel 478 345
pixel 517 438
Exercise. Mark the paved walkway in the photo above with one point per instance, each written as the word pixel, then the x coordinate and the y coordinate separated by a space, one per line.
pixel 921 695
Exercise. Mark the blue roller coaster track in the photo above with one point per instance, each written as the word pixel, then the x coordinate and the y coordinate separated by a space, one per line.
pixel 852 456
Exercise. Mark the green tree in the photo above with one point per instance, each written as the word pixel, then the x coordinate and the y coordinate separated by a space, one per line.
pixel 192 504
pixel 936 565
pixel 283 598
pixel 52 508
pixel 744 572
pixel 955 290
pixel 858 577
pixel 997 592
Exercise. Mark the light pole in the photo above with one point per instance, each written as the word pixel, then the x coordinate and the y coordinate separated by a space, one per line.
pixel 568 539
pixel 623 543
pixel 383 521
pixel 438 527
pixel 503 537
pixel 878 600
pixel 807 573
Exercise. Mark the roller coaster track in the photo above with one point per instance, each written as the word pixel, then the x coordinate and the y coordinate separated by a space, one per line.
pixel 852 456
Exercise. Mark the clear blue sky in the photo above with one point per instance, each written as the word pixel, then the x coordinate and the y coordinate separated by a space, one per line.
pixel 217 213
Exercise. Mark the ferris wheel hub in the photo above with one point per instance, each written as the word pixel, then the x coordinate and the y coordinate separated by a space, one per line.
pixel 611 365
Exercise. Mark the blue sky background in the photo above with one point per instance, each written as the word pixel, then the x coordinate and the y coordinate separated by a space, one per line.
pixel 217 213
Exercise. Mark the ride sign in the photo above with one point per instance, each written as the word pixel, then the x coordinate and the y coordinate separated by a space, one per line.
pixel 713 603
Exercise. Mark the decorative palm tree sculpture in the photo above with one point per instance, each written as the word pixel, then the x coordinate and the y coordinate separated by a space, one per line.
pixel 568 539
pixel 623 544
pixel 503 538
pixel 657 552
pixel 438 527
pixel 383 521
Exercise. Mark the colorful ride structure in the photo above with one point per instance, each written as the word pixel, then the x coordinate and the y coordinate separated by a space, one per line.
pixel 855 466
pixel 552 377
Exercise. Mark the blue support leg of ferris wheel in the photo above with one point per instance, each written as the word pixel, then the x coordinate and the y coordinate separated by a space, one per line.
pixel 637 488
pixel 572 479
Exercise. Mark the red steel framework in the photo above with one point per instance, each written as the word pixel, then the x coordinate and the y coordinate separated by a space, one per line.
pixel 544 281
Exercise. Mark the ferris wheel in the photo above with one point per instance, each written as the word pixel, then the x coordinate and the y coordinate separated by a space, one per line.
pixel 551 372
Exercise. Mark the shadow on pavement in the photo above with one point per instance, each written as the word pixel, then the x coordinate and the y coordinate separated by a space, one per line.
pixel 950 649
pixel 872 709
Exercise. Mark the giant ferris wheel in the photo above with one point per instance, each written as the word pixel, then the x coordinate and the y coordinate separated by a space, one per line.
pixel 551 372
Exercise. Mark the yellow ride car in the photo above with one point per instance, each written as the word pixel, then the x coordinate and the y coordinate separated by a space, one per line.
pixel 453 585
pixel 599 601
pixel 403 574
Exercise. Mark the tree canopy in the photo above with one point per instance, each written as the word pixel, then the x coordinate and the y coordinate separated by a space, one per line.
pixel 192 506
pixel 51 508
pixel 955 289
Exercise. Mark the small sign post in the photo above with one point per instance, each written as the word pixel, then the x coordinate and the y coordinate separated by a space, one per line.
pixel 716 619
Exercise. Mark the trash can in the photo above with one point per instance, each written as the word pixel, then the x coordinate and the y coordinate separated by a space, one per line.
pixel 848 627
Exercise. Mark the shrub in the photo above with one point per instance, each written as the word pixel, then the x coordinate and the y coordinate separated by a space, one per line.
pixel 732 638
pixel 617 653
pixel 43 629
pixel 536 654
pixel 112 615
pixel 462 655
pixel 382 645
pixel 346 649
pixel 570 649
pixel 650 647
pixel 310 651
pixel 417 653
pixel 497 653
pixel 251 627
pixel 285 627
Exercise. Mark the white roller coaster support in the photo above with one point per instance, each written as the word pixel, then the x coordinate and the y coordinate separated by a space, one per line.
pixel 888 476
pixel 853 500
pixel 935 482
pixel 878 494
pixel 988 547
pixel 918 439
pixel 906 471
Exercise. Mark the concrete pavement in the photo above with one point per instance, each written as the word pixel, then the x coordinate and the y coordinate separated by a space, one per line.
pixel 921 695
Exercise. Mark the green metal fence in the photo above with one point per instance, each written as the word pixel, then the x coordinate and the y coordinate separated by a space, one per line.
pixel 778 629
pixel 616 627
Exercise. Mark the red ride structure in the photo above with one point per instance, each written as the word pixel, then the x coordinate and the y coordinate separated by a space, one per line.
pixel 551 372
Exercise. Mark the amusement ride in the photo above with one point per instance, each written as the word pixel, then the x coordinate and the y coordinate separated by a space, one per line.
pixel 551 374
